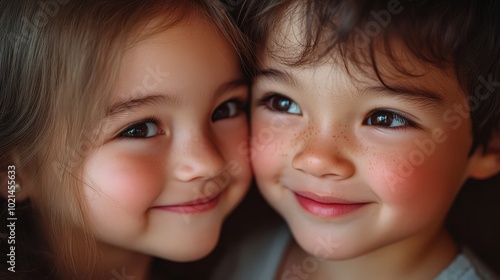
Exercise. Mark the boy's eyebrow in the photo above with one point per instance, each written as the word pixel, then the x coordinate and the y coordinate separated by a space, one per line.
pixel 134 103
pixel 407 92
pixel 426 97
pixel 281 76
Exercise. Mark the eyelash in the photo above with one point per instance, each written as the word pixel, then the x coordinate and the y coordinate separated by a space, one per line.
pixel 264 101
pixel 407 123
pixel 241 106
pixel 395 116
pixel 151 119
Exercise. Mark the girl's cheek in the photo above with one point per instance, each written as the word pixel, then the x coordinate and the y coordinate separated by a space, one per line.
pixel 232 141
pixel 127 180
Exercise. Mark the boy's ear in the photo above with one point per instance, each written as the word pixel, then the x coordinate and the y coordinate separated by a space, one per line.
pixel 486 163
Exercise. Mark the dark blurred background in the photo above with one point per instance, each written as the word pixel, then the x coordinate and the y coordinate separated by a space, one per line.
pixel 474 220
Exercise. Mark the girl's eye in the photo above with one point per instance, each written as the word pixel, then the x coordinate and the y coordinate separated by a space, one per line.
pixel 385 118
pixel 143 129
pixel 280 103
pixel 228 109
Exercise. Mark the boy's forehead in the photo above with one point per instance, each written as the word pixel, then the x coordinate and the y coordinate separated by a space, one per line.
pixel 287 43
pixel 395 63
pixel 288 35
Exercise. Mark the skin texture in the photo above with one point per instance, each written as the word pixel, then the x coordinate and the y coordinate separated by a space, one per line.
pixel 318 131
pixel 187 154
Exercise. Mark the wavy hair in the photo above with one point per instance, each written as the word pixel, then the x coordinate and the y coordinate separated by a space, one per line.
pixel 58 61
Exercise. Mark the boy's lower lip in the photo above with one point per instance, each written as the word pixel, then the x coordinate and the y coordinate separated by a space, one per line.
pixel 329 210
pixel 194 207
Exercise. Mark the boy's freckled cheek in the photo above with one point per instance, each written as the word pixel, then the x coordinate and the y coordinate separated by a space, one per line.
pixel 267 157
pixel 269 150
pixel 398 181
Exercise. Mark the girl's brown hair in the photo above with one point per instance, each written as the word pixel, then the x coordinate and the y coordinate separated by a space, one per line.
pixel 58 61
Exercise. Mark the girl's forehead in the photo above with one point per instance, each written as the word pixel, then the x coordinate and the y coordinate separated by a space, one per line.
pixel 169 55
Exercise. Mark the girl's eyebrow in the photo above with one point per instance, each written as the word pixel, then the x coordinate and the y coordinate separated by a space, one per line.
pixel 233 84
pixel 134 103
pixel 137 102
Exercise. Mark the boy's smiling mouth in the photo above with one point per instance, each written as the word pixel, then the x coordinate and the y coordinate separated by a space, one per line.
pixel 326 206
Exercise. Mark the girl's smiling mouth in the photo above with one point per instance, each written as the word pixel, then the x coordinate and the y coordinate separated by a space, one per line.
pixel 193 207
pixel 326 206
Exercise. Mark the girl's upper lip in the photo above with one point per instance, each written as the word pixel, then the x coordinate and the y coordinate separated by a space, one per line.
pixel 326 199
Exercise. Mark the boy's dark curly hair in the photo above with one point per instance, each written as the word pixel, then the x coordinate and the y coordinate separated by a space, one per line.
pixel 463 35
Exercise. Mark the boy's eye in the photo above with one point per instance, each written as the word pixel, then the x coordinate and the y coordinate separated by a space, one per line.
pixel 385 118
pixel 280 103
pixel 227 110
pixel 144 129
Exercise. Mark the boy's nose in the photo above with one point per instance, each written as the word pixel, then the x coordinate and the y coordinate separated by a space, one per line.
pixel 198 158
pixel 323 159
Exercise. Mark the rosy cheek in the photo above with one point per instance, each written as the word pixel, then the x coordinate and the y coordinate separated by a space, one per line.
pixel 234 145
pixel 128 181
pixel 266 148
pixel 404 178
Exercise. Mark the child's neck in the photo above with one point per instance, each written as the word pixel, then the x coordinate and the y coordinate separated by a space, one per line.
pixel 415 258
pixel 123 264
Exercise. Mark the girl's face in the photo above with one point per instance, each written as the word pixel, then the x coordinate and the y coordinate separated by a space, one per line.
pixel 351 165
pixel 170 168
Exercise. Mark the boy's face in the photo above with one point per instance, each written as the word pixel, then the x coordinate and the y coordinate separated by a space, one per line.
pixel 351 165
pixel 170 169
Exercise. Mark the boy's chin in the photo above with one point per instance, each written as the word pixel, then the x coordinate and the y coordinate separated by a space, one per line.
pixel 325 247
pixel 335 254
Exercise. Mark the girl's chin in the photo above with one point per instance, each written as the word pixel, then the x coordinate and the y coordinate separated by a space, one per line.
pixel 193 251
pixel 189 256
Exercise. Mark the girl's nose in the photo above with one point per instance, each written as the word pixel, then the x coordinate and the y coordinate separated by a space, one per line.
pixel 198 158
